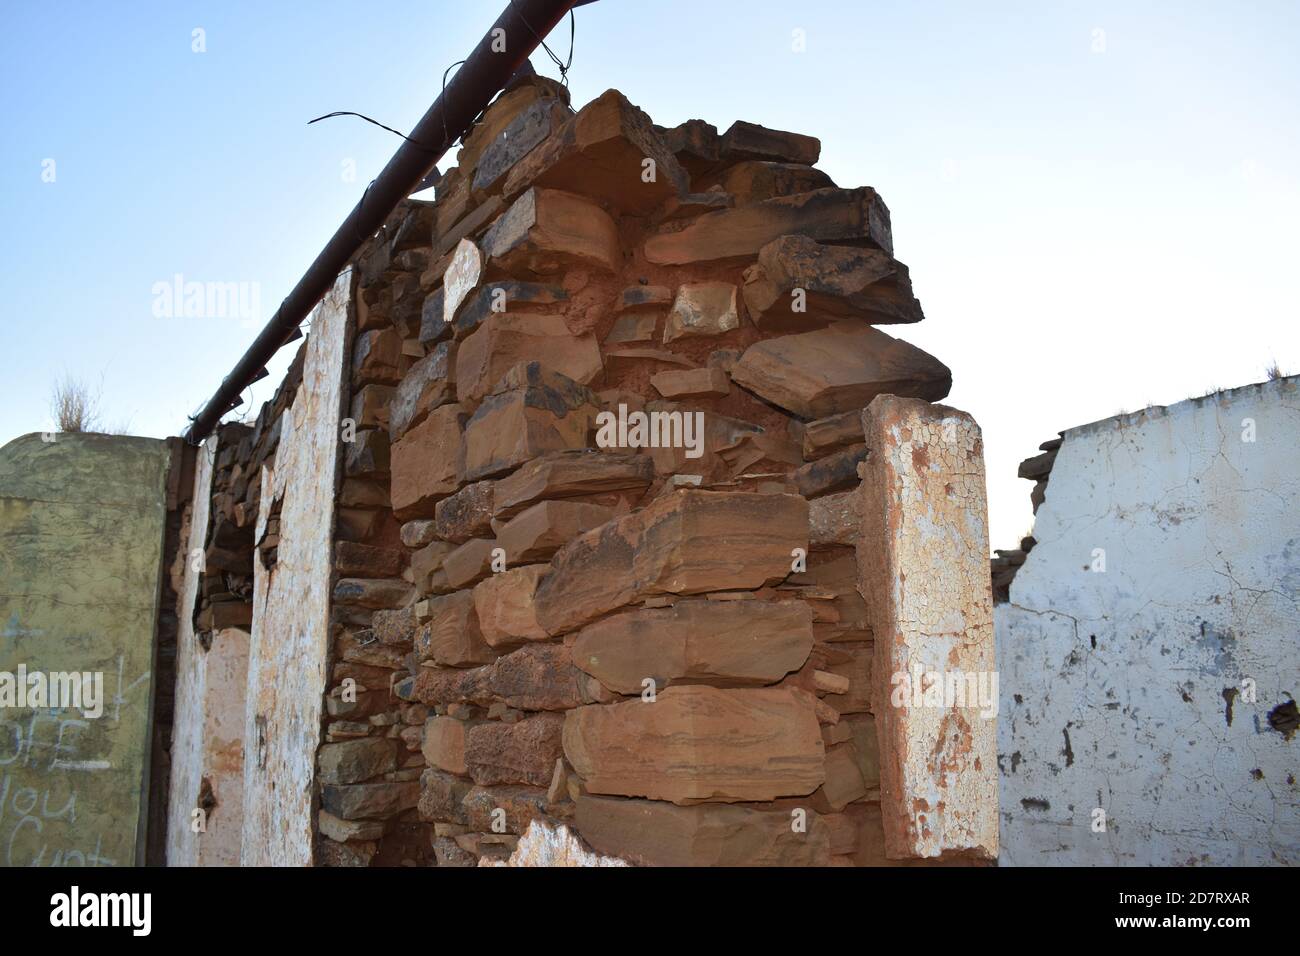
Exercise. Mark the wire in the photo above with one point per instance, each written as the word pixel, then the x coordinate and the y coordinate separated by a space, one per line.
pixel 413 142
pixel 562 66
pixel 446 136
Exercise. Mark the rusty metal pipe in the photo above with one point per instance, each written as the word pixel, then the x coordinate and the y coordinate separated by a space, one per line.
pixel 484 73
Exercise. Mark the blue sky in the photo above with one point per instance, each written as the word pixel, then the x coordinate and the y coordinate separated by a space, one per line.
pixel 1097 200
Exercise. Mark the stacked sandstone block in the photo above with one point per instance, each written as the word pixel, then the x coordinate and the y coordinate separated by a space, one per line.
pixel 226 588
pixel 662 644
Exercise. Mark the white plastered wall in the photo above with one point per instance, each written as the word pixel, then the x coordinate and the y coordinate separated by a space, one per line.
pixel 1165 580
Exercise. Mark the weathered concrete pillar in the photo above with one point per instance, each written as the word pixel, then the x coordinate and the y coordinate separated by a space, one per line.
pixel 923 556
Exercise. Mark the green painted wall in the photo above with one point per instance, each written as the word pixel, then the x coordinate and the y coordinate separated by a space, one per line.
pixel 81 529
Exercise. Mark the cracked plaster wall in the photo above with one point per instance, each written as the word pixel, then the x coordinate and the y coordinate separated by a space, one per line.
pixel 1127 689
pixel 289 651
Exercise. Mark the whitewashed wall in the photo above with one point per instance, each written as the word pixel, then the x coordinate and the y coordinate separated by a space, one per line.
pixel 291 605
pixel 187 726
pixel 1113 681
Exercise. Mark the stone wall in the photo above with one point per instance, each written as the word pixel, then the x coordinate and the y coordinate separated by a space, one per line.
pixel 596 558
pixel 1147 650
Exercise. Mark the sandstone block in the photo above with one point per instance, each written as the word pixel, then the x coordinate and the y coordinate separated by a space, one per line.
pixel 368 800
pixel 366 456
pixel 546 231
pixel 747 642
pixel 417 533
pixel 699 743
pixel 433 318
pixel 751 141
pixel 844 782
pixel 826 215
pixel 451 636
pixel 364 493
pixel 377 358
pixel 565 474
pixel 633 327
pixel 538 677
pixel 504 603
pixel 395 628
pixel 466 514
pixel 372 592
pixel 430 382
pixel 469 563
pixel 756 180
pixel 440 686
pixel 355 560
pixel 834 519
pixel 461 277
pixel 692 383
pixel 824 435
pixel 542 529
pixel 426 563
pixel 515 426
pixel 443 744
pixel 428 463
pixel 602 152
pixel 441 797
pixel 523 752
pixel 845 366
pixel 342 831
pixel 691 204
pixel 527 130
pixel 505 340
pixel 688 542
pixel 522 805
pixel 500 118
pixel 370 406
pixel 507 297
pixel 352 761
pixel 836 472
pixel 695 143
pixel 702 308
pixel 654 833
pixel 834 282
pixel 534 677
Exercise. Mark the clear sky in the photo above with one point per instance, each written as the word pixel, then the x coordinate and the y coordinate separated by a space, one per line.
pixel 1098 201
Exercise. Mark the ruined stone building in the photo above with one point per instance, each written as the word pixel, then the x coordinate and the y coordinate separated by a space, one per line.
pixel 599 522
pixel 1146 642
pixel 576 507
pixel 594 522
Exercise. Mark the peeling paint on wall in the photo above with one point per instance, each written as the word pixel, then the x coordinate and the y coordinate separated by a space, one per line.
pixel 1151 635
pixel 289 651
pixel 923 554
pixel 187 728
